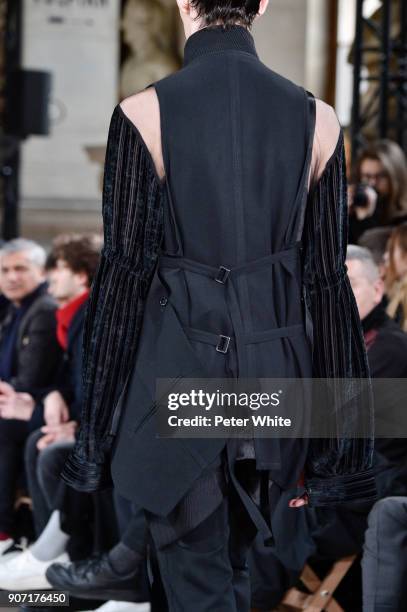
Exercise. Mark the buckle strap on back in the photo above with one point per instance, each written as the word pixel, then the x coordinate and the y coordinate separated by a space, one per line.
pixel 221 273
pixel 222 342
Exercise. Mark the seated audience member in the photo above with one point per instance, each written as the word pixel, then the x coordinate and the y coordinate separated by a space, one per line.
pixel 29 359
pixel 58 510
pixel 273 571
pixel 386 343
pixel 378 196
pixel 396 275
pixel 384 562
pixel 386 347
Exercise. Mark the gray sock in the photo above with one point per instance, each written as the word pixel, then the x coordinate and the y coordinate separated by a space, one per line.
pixel 123 559
pixel 52 541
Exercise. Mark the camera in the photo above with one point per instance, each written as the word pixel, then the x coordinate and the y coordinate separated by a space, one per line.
pixel 361 196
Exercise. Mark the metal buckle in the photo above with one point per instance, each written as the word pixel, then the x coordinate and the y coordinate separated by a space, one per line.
pixel 222 275
pixel 223 344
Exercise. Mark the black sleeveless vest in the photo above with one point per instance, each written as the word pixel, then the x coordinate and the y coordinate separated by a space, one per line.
pixel 226 297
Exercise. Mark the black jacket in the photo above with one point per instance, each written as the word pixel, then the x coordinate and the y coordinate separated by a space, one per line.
pixel 133 203
pixel 69 380
pixel 38 354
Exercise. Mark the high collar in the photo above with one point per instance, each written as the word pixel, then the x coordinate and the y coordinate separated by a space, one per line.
pixel 212 39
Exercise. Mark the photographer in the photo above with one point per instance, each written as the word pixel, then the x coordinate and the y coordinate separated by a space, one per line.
pixel 378 196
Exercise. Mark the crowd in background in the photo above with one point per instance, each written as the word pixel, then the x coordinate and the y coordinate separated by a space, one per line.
pixel 96 546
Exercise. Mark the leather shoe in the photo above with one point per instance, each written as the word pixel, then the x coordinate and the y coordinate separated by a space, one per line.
pixel 95 578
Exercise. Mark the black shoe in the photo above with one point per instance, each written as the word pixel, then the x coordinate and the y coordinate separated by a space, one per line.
pixel 95 578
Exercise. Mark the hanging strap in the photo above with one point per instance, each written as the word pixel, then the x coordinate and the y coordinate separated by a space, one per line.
pixel 302 204
pixel 302 196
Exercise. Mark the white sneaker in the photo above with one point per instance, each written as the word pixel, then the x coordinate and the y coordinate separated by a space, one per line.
pixel 122 606
pixel 24 572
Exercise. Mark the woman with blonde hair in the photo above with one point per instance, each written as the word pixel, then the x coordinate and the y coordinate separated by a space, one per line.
pixel 396 277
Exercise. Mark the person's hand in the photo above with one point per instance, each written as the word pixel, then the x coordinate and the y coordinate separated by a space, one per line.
pixel 55 409
pixel 14 405
pixel 297 502
pixel 45 441
pixel 363 212
pixel 56 433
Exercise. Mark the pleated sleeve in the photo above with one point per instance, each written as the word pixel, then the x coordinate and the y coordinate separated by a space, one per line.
pixel 338 467
pixel 132 221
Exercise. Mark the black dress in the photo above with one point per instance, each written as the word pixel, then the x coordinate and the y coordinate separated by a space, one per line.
pixel 231 210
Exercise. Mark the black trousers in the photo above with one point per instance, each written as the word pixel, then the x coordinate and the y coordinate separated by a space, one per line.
pixel 206 569
pixel 43 468
pixel 132 524
pixel 13 434
pixel 48 493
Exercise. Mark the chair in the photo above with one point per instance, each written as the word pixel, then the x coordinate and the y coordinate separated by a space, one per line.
pixel 321 595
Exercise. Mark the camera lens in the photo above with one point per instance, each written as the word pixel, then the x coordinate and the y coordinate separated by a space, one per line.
pixel 361 199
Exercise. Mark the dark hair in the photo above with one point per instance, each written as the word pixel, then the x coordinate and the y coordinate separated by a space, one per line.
pixel 394 163
pixel 81 253
pixel 227 12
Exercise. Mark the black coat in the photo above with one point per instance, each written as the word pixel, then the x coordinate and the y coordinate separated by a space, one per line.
pixel 38 355
pixel 134 202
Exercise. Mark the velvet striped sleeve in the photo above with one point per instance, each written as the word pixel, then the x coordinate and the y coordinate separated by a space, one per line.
pixel 338 469
pixel 132 222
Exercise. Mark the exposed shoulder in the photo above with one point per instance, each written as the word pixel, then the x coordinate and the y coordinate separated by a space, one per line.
pixel 327 133
pixel 143 110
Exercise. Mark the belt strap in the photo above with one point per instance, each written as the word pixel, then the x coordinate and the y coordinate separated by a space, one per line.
pixel 221 273
pixel 222 342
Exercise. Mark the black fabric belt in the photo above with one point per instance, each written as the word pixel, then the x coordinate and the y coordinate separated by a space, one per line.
pixel 222 342
pixel 221 274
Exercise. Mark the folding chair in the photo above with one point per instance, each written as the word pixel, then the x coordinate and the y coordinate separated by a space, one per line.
pixel 321 596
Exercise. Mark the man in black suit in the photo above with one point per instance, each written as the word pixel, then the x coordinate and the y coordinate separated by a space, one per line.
pixel 29 359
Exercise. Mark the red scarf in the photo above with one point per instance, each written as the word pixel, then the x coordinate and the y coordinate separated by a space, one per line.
pixel 65 314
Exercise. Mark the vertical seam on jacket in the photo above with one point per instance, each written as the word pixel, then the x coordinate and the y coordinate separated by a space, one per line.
pixel 236 121
pixel 240 242
pixel 237 166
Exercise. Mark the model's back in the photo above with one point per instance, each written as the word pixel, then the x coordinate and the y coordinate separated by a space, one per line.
pixel 234 137
pixel 226 299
